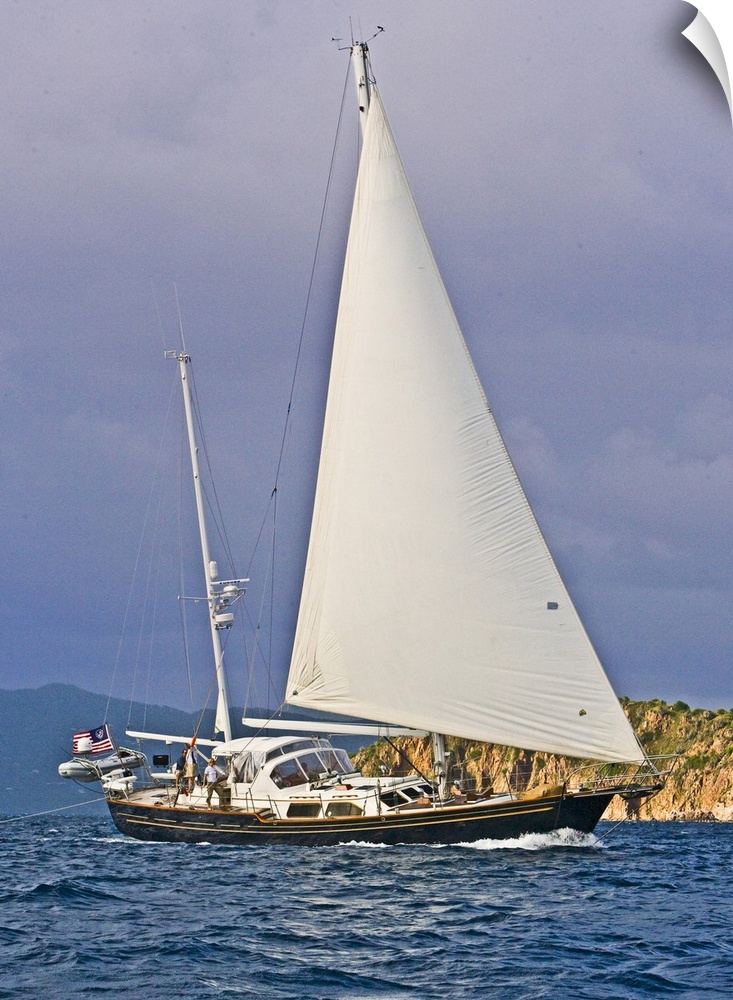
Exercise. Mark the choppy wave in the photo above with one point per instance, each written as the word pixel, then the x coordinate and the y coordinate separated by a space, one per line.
pixel 631 914
pixel 65 890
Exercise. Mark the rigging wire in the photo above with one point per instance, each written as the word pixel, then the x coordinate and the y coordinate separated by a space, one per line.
pixel 212 499
pixel 157 312
pixel 311 282
pixel 151 642
pixel 180 318
pixel 272 507
pixel 135 572
pixel 627 818
pixel 214 507
pixel 146 615
pixel 252 659
pixel 46 812
pixel 401 753
pixel 202 713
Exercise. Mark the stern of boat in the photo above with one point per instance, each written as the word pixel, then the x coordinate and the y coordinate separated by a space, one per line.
pixel 590 788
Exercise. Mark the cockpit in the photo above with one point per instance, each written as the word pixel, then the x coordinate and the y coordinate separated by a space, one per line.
pixel 291 761
pixel 319 762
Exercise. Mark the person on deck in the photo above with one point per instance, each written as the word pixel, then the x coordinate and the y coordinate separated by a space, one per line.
pixel 180 772
pixel 191 768
pixel 213 781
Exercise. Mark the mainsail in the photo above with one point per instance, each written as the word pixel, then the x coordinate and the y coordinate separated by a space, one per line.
pixel 430 598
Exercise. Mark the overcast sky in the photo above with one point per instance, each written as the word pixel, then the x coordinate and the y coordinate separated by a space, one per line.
pixel 573 163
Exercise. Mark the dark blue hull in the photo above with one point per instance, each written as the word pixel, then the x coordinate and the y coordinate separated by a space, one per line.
pixel 448 825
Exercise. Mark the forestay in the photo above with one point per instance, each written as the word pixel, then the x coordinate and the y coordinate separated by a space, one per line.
pixel 430 598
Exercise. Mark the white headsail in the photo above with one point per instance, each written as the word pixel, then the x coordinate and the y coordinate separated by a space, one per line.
pixel 430 598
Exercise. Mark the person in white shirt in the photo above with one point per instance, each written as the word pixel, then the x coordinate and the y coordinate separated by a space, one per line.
pixel 213 781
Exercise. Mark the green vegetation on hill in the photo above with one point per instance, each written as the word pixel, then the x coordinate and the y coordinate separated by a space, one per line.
pixel 36 728
pixel 700 786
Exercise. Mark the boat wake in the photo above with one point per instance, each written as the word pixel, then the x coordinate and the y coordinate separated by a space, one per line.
pixel 540 842
pixel 365 843
pixel 526 842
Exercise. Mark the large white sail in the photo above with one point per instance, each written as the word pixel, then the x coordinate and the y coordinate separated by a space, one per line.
pixel 430 598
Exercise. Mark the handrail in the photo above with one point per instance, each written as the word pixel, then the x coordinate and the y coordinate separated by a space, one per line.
pixel 650 773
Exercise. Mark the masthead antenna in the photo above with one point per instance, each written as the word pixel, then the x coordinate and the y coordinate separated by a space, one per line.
pixel 339 38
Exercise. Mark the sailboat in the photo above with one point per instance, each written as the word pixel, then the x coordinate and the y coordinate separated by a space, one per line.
pixel 430 602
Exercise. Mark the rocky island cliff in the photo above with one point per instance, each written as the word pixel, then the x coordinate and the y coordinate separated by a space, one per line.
pixel 699 788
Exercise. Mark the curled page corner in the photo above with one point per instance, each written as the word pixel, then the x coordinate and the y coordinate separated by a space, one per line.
pixel 712 33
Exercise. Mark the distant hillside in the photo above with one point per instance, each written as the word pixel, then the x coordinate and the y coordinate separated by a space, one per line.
pixel 700 787
pixel 36 727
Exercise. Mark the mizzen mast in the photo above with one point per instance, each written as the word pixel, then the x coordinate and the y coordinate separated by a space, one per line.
pixel 220 594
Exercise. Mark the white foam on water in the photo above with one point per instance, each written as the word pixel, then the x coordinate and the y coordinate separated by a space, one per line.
pixel 539 842
pixel 526 842
pixel 132 843
pixel 363 843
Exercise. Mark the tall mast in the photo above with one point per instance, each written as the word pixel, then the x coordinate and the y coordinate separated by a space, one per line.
pixel 220 594
pixel 360 54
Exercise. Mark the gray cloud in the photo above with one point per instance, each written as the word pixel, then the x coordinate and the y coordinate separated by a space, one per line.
pixel 572 162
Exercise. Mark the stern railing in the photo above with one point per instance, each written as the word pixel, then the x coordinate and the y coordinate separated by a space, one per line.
pixel 629 778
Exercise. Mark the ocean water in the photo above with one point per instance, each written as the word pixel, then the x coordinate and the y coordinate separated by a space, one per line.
pixel 635 911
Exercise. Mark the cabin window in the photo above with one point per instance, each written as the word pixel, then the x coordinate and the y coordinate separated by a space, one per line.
pixel 304 810
pixel 390 799
pixel 343 809
pixel 336 761
pixel 312 765
pixel 246 764
pixel 290 748
pixel 287 774
pixel 419 792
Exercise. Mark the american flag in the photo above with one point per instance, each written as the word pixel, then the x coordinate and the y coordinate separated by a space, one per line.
pixel 99 739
